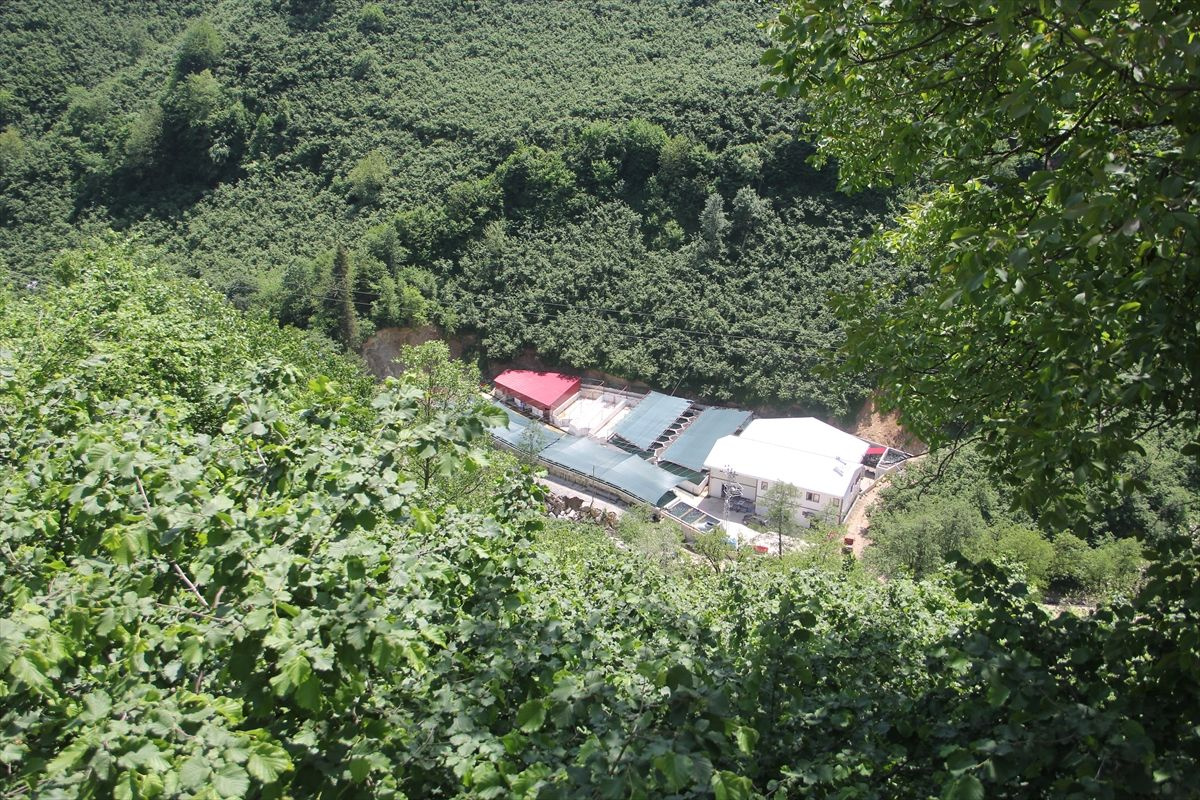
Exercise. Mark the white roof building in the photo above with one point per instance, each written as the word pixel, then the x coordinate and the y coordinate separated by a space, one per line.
pixel 823 462
pixel 810 435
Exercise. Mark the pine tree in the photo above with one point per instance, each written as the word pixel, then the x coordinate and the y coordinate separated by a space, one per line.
pixel 713 224
pixel 343 297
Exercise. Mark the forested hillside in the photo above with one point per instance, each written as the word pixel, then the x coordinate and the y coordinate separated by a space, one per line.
pixel 224 577
pixel 601 181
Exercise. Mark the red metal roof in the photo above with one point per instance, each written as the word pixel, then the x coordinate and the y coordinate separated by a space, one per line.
pixel 540 389
pixel 876 451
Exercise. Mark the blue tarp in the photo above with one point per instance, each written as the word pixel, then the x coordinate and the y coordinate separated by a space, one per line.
pixel 697 440
pixel 649 418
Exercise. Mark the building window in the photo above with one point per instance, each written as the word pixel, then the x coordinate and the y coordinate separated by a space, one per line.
pixel 812 497
pixel 837 502
pixel 763 485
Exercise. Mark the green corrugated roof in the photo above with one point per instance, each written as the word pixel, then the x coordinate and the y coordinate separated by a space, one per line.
pixel 514 433
pixel 641 479
pixel 630 474
pixel 694 444
pixel 583 455
pixel 650 418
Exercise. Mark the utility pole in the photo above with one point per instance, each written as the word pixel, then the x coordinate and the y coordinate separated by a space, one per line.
pixel 731 490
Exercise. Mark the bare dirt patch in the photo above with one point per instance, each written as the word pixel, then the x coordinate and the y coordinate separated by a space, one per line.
pixel 885 429
pixel 857 523
pixel 382 350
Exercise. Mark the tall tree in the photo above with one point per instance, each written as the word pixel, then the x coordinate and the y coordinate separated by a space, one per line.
pixel 713 224
pixel 343 297
pixel 531 442
pixel 1062 142
pixel 200 49
pixel 369 177
pixel 448 391
pixel 782 501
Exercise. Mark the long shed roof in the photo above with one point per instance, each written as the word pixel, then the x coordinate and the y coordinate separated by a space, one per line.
pixel 649 418
pixel 694 444
pixel 774 463
pixel 642 479
pixel 514 432
pixel 630 474
pixel 809 435
pixel 583 455
pixel 802 451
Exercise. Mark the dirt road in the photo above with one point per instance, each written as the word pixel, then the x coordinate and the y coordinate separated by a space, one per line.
pixel 856 522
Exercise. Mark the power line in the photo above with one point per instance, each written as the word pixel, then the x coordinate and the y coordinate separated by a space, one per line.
pixel 530 316
pixel 690 331
pixel 572 307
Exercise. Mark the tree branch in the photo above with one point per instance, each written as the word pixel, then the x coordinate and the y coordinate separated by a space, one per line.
pixel 188 582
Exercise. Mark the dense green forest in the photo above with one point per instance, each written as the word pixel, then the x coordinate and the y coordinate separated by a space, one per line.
pixel 942 508
pixel 602 182
pixel 223 577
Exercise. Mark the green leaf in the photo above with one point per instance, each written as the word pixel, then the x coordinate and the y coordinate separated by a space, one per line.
pixel 231 781
pixel 294 673
pixel 267 761
pixel 964 787
pixel 531 715
pixel 151 785
pixel 308 694
pixel 679 677
pixel 69 756
pixel 151 758
pixel 126 786
pixel 360 768
pixel 676 767
pixel 433 635
pixel 728 786
pixel 27 673
pixel 746 737
pixel 192 652
pixel 194 773
pixel 98 705
pixel 960 760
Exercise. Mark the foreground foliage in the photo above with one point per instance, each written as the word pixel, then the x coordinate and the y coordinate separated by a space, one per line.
pixel 1061 232
pixel 243 592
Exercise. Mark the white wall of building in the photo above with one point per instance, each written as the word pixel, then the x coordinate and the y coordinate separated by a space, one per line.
pixel 755 488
